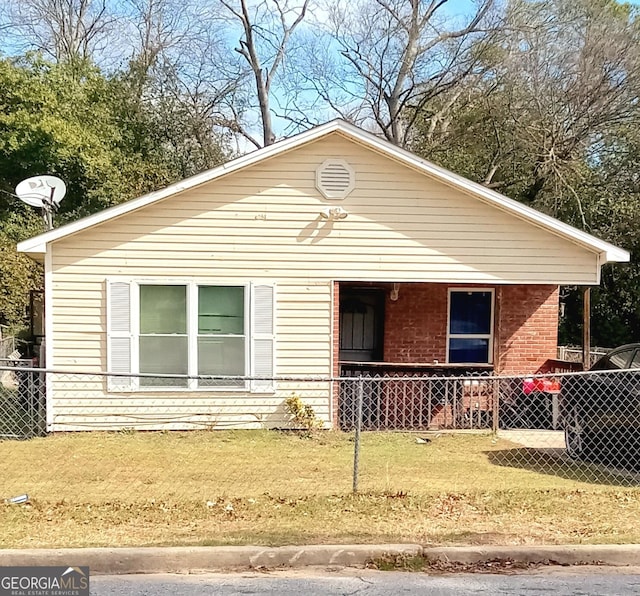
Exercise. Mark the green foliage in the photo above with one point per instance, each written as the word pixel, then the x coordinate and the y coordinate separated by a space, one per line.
pixel 302 415
pixel 18 275
pixel 611 196
pixel 99 133
pixel 54 119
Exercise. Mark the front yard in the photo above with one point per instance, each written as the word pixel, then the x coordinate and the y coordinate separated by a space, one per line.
pixel 268 487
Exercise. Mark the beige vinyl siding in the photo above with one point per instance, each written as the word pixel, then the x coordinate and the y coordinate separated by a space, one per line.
pixel 401 225
pixel 94 409
pixel 83 402
pixel 263 223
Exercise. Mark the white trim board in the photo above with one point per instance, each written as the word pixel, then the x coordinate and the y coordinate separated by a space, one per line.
pixel 489 336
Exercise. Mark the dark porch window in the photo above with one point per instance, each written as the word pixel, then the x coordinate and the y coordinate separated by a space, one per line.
pixel 361 325
pixel 470 326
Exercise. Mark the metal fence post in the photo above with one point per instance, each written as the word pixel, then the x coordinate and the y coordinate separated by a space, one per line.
pixel 356 442
pixel 41 404
pixel 496 406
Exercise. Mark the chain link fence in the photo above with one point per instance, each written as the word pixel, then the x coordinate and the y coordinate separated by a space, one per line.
pixel 10 346
pixel 474 432
pixel 22 400
pixel 415 403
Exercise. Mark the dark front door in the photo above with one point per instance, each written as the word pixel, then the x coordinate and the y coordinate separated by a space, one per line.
pixel 361 325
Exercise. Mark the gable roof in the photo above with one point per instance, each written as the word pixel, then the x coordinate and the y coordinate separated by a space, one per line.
pixel 608 252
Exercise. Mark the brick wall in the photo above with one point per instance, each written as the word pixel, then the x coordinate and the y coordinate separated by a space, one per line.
pixel 415 328
pixel 526 326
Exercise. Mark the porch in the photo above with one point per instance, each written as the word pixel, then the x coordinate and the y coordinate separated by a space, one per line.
pixel 389 397
pixel 448 399
pixel 429 354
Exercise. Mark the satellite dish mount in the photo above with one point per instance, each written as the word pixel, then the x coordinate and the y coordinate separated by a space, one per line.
pixel 45 192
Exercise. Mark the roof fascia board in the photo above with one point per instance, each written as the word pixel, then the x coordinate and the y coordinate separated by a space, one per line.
pixel 37 244
pixel 607 251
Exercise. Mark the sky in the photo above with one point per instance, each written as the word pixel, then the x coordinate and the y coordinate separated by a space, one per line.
pixel 117 59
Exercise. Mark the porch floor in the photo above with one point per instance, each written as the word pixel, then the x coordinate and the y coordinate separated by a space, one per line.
pixel 535 439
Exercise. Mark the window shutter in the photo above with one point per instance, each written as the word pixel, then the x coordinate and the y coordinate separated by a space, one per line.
pixel 263 337
pixel 119 335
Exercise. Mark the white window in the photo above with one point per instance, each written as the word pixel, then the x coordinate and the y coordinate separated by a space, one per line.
pixel 470 327
pixel 194 330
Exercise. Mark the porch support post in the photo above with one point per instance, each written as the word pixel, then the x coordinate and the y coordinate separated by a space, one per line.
pixel 586 328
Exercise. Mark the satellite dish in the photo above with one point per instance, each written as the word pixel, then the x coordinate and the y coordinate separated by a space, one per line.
pixel 45 192
pixel 41 191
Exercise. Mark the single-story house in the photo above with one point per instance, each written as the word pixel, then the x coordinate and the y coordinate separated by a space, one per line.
pixel 322 255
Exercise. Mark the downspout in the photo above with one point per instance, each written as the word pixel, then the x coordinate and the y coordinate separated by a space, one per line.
pixel 48 335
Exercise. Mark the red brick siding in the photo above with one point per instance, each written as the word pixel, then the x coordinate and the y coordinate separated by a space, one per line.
pixel 527 328
pixel 415 327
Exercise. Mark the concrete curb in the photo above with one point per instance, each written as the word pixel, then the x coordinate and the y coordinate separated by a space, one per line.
pixel 114 561
pixel 184 559
pixel 579 554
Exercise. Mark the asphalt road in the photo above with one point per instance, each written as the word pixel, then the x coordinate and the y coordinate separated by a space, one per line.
pixel 562 581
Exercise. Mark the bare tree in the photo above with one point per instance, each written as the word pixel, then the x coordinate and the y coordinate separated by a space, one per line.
pixel 64 29
pixel 159 26
pixel 571 77
pixel 267 28
pixel 563 86
pixel 181 81
pixel 401 54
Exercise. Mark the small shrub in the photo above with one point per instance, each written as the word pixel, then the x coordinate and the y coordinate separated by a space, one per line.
pixel 302 415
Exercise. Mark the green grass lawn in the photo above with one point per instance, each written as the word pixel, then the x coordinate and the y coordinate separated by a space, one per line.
pixel 267 487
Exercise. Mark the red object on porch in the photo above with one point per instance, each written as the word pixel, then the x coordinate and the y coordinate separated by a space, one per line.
pixel 540 384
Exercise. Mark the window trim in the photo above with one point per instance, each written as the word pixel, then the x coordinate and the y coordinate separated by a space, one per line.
pixel 192 285
pixel 192 331
pixel 489 336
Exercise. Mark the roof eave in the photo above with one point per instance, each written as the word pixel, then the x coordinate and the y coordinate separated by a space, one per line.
pixel 607 252
pixel 614 254
pixel 34 244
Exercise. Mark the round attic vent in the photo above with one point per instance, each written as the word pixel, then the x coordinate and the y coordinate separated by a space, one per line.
pixel 335 179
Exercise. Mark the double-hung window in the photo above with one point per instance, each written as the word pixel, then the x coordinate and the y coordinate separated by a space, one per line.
pixel 221 341
pixel 189 334
pixel 469 332
pixel 163 335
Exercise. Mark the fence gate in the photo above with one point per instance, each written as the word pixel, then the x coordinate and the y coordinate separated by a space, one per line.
pixel 22 400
